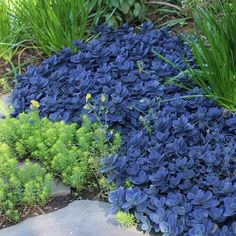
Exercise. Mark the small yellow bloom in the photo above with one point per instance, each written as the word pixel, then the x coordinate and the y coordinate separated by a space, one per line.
pixel 103 98
pixel 87 107
pixel 35 104
pixel 88 96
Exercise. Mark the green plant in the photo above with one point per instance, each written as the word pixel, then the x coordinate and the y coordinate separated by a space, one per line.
pixel 52 24
pixel 125 219
pixel 117 12
pixel 21 185
pixel 7 39
pixel 190 5
pixel 178 12
pixel 166 10
pixel 68 151
pixel 10 42
pixel 6 35
pixel 5 85
pixel 215 53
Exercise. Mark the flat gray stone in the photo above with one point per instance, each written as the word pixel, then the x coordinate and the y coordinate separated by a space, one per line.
pixel 7 100
pixel 79 218
pixel 59 189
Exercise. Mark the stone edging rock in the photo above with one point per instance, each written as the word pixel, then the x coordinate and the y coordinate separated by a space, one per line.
pixel 79 218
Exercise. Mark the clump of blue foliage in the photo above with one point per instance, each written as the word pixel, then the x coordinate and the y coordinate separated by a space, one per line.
pixel 120 64
pixel 179 150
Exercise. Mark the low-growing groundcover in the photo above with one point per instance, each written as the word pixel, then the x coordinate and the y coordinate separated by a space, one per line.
pixel 65 151
pixel 176 170
pixel 26 185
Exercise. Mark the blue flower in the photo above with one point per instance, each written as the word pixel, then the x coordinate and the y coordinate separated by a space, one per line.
pixel 232 124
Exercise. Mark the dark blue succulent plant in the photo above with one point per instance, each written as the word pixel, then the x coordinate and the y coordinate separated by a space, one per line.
pixel 178 149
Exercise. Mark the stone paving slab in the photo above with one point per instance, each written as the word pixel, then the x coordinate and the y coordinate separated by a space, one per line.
pixel 79 218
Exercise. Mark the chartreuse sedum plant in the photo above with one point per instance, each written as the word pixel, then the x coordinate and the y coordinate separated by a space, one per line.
pixel 125 219
pixel 52 24
pixel 68 151
pixel 25 185
pixel 215 53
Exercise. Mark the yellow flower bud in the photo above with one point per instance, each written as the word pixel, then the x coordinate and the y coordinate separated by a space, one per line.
pixel 103 98
pixel 35 104
pixel 88 96
pixel 87 107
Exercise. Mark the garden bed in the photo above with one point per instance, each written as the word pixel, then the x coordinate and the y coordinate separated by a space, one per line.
pixel 172 125
pixel 130 117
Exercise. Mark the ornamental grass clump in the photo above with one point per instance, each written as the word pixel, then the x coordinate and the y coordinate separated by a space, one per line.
pixel 52 24
pixel 216 52
pixel 5 30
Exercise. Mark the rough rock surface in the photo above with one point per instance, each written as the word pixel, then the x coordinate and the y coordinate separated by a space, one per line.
pixel 59 189
pixel 80 218
pixel 7 101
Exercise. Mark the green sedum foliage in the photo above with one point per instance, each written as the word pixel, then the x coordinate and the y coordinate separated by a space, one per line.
pixel 68 151
pixel 28 184
pixel 125 219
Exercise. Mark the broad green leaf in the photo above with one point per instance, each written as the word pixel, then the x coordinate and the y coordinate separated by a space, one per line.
pixel 137 9
pixel 131 2
pixel 124 7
